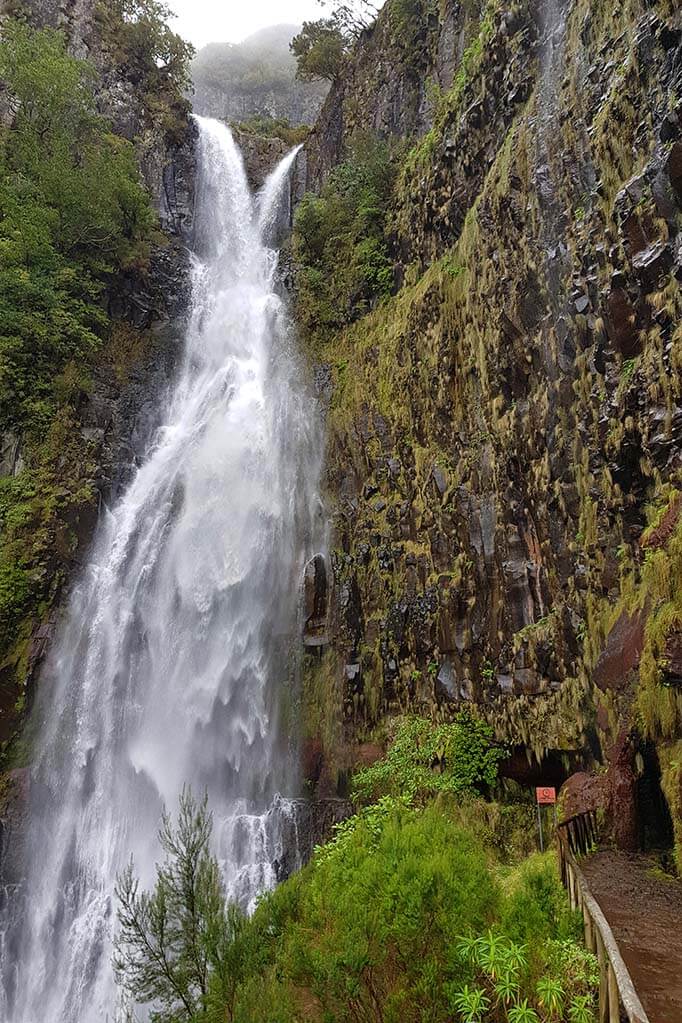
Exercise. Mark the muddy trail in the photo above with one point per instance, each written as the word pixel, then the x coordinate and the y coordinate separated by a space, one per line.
pixel 644 909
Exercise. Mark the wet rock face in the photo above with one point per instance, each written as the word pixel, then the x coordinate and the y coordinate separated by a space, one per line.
pixel 315 602
pixel 513 412
pixel 261 155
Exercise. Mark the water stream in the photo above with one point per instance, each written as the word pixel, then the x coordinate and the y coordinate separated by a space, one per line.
pixel 173 664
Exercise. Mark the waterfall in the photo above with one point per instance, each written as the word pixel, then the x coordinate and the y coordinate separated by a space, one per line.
pixel 173 663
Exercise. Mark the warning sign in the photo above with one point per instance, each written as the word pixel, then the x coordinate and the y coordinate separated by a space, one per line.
pixel 545 796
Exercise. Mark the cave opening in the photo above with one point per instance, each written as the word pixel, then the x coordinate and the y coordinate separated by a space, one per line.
pixel 653 814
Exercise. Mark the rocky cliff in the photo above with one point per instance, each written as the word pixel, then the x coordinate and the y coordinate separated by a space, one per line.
pixel 101 437
pixel 504 433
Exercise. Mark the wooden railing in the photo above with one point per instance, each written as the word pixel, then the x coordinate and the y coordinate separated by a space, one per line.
pixel 578 836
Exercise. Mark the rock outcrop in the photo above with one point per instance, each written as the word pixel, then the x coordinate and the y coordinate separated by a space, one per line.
pixel 498 430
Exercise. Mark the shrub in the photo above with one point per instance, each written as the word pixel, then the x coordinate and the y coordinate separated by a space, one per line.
pixel 339 241
pixel 423 761
pixel 402 918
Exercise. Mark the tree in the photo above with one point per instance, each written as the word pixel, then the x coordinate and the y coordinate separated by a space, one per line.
pixel 144 43
pixel 351 16
pixel 173 938
pixel 182 948
pixel 319 48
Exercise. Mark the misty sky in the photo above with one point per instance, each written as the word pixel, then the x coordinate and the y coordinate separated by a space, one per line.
pixel 217 21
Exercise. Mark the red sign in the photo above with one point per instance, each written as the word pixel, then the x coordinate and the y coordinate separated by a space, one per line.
pixel 545 796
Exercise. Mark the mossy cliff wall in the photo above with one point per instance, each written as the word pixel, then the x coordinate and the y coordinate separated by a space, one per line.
pixel 499 428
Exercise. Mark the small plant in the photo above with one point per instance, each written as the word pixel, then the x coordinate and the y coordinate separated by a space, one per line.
pixel 471 1004
pixel 580 1010
pixel 522 1012
pixel 487 671
pixel 502 975
pixel 550 992
pixel 627 371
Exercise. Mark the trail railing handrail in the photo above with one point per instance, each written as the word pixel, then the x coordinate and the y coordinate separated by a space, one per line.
pixel 577 836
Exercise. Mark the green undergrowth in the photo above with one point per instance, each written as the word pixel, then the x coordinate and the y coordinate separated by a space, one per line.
pixel 403 917
pixel 339 241
pixel 274 127
pixel 434 910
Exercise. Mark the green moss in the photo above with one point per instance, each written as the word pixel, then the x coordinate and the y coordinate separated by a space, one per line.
pixel 271 127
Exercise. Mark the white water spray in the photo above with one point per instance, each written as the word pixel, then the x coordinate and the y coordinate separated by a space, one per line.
pixel 172 664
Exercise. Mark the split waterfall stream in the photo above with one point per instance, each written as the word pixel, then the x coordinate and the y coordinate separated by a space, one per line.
pixel 172 663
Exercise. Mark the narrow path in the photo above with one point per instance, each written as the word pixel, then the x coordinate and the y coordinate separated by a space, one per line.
pixel 644 910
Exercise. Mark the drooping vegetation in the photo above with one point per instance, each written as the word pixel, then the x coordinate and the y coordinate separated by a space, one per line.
pixel 411 912
pixel 424 760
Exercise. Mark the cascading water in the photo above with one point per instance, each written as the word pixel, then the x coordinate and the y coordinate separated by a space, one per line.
pixel 172 664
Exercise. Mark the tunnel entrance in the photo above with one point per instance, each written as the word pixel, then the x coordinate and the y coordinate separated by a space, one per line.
pixel 653 814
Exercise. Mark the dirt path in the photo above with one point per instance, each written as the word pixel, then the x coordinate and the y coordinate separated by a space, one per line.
pixel 644 910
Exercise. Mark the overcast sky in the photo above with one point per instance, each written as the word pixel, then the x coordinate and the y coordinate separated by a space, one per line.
pixel 218 21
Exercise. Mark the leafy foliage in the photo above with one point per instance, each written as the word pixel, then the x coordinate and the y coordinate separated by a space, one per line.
pixel 73 215
pixel 173 939
pixel 405 916
pixel 56 244
pixel 319 49
pixel 340 242
pixel 153 55
pixel 504 985
pixel 423 761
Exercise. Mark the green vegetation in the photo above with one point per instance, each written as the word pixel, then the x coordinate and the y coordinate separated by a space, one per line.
pixel 74 216
pixel 58 245
pixel 408 914
pixel 340 243
pixel 319 48
pixel 274 127
pixel 456 758
pixel 155 60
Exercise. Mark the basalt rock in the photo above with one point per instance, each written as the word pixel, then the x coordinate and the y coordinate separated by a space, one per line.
pixel 516 407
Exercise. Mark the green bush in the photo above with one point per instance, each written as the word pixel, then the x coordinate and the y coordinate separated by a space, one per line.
pixel 423 761
pixel 340 244
pixel 406 917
